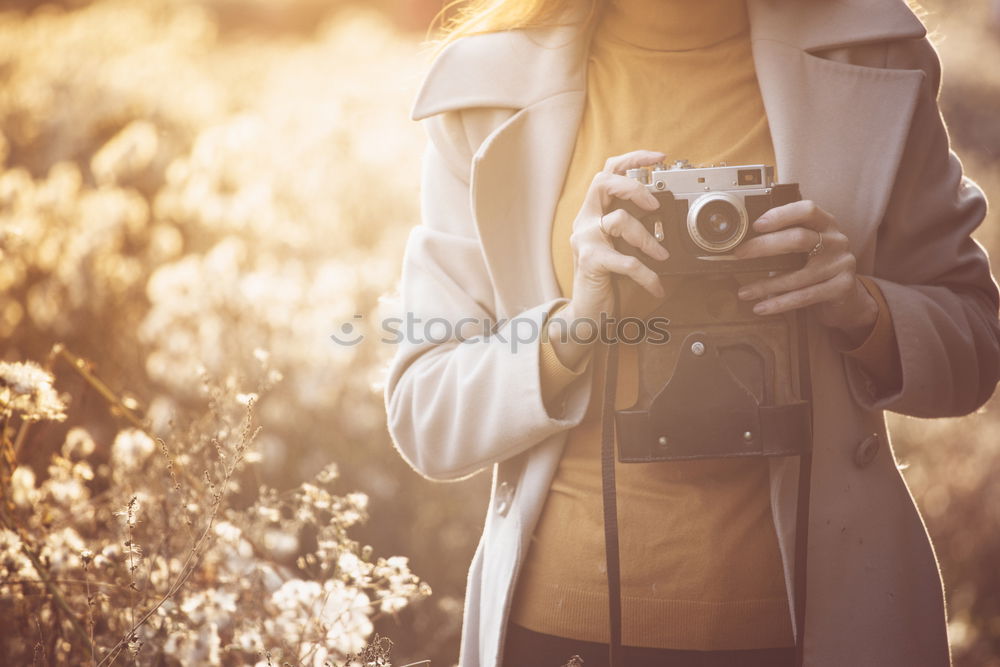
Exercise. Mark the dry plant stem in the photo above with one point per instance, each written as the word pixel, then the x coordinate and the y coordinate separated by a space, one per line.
pixel 40 643
pixel 171 470
pixel 131 565
pixel 194 554
pixel 314 622
pixel 22 433
pixel 75 582
pixel 90 614
pixel 82 367
pixel 8 461
pixel 320 627
pixel 57 595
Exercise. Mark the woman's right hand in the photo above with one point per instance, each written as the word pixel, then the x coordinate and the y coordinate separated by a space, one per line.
pixel 595 258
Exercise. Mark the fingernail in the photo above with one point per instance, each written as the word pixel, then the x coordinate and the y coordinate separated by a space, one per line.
pixel 760 309
pixel 760 222
pixel 744 293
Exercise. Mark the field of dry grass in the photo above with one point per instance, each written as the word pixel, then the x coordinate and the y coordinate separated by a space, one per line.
pixel 192 197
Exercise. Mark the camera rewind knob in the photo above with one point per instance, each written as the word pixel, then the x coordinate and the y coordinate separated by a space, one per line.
pixel 640 174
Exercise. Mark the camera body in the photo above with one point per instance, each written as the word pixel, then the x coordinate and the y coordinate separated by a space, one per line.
pixel 727 382
pixel 706 213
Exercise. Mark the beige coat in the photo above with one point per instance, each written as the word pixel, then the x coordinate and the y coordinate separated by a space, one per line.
pixel 850 89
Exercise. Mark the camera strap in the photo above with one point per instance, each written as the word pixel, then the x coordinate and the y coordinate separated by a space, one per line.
pixel 610 502
pixel 611 550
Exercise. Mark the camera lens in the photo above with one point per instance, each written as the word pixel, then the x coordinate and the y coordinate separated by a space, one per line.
pixel 716 223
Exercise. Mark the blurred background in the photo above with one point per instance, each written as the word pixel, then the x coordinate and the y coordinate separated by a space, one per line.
pixel 185 183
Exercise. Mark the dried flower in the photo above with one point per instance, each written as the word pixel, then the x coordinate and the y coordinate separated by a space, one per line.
pixel 26 389
pixel 131 448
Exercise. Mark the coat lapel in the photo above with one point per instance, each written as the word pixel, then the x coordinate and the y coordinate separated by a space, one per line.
pixel 517 178
pixel 838 129
pixel 518 172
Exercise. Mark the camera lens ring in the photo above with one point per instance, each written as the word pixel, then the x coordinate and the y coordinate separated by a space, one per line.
pixel 732 204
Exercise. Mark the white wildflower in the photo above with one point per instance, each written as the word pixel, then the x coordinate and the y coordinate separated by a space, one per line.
pixel 78 444
pixel 210 605
pixel 280 543
pixel 131 448
pixel 269 513
pixel 400 584
pixel 247 398
pixel 64 488
pixel 228 532
pixel 22 487
pixel 350 565
pixel 14 564
pixel 328 474
pixel 340 611
pixel 62 549
pixel 26 389
pixel 189 648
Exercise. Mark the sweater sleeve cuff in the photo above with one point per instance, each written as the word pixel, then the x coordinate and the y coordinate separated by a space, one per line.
pixel 878 355
pixel 555 375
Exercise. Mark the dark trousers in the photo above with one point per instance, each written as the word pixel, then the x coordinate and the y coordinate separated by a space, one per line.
pixel 524 648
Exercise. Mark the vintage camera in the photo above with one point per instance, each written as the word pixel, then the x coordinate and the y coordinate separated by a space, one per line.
pixel 705 213
pixel 728 382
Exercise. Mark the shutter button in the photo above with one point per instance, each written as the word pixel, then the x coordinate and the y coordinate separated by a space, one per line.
pixel 505 493
pixel 866 451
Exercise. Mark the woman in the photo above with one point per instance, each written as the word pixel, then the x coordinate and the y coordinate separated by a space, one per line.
pixel 534 116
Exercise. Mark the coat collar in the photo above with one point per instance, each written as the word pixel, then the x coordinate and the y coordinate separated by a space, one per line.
pixel 517 68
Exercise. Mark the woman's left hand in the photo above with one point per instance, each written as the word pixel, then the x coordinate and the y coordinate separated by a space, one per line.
pixel 828 280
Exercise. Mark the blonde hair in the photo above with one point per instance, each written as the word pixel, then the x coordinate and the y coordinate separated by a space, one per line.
pixel 460 18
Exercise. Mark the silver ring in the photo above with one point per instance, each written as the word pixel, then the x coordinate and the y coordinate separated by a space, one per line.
pixel 818 248
pixel 601 225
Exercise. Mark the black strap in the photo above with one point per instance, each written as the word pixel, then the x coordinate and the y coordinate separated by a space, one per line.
pixel 610 498
pixel 802 504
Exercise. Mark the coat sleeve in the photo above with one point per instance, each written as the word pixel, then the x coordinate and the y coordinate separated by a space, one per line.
pixel 935 278
pixel 463 389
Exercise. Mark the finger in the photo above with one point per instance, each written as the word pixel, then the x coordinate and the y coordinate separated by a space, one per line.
pixel 620 163
pixel 835 289
pixel 813 273
pixel 607 186
pixel 620 224
pixel 780 242
pixel 804 213
pixel 612 261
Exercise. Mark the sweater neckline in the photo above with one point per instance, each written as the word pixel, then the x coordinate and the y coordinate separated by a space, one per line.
pixel 673 25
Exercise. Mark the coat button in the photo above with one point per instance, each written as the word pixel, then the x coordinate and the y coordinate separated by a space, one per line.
pixel 505 493
pixel 866 451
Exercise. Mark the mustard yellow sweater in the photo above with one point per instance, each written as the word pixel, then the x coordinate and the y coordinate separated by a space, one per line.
pixel 700 563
